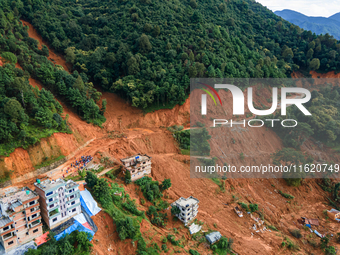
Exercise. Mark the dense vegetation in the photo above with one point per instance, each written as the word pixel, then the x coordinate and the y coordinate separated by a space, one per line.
pixel 27 114
pixel 223 246
pixel 152 190
pixel 146 51
pixel 76 243
pixel 118 204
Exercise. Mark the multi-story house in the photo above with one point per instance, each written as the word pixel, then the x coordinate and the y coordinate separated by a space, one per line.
pixel 20 219
pixel 59 200
pixel 138 166
pixel 188 208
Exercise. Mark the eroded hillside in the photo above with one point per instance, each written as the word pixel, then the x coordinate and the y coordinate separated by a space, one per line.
pixel 128 131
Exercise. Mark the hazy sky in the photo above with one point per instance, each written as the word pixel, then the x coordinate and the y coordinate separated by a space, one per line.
pixel 323 8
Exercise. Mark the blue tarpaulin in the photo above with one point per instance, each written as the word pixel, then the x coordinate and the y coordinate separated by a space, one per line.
pixel 74 227
pixel 308 225
pixel 83 204
pixel 318 234
pixel 89 204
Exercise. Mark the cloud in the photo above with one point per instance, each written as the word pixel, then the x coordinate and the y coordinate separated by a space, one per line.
pixel 324 8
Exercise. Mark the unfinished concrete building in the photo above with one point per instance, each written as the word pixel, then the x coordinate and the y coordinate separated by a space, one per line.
pixel 333 214
pixel 20 219
pixel 188 208
pixel 59 200
pixel 138 166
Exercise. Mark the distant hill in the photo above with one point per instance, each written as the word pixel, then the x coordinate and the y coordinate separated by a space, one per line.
pixel 336 16
pixel 318 25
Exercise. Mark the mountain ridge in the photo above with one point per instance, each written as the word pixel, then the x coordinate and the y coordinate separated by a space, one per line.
pixel 316 24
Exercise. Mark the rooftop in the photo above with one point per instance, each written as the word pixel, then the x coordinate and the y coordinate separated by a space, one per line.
pixel 4 220
pixel 11 200
pixel 71 184
pixel 49 184
pixel 333 211
pixel 23 195
pixel 138 158
pixel 185 202
pixel 213 237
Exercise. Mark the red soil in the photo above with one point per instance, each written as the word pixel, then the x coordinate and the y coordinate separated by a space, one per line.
pixel 55 58
pixel 147 134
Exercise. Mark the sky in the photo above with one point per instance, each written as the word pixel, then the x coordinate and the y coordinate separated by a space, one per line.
pixel 321 8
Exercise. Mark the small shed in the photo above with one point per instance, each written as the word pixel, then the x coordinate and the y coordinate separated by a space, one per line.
pixel 314 222
pixel 213 237
pixel 333 214
pixel 194 228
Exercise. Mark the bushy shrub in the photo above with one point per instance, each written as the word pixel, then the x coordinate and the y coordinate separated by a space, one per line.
pixel 296 233
pixel 253 207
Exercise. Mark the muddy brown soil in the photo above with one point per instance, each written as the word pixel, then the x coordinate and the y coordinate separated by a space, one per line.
pixel 128 131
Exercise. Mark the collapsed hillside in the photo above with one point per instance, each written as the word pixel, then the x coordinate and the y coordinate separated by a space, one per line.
pixel 147 134
pixel 128 131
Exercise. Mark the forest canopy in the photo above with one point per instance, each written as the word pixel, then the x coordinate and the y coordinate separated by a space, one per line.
pixel 146 51
pixel 28 114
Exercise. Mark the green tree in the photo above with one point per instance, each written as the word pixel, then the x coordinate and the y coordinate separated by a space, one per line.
pixel 156 31
pixel 324 242
pixel 175 210
pixel 310 54
pixel 83 241
pixel 192 72
pixel 330 250
pixel 70 55
pixel 45 51
pixel 211 71
pixel 166 184
pixel 126 228
pixel 222 7
pixel 91 179
pixel 9 57
pixel 133 67
pixel 79 84
pixel 230 22
pixel 144 43
pixel 127 177
pixel 193 4
pixel 19 84
pixel 14 109
pixel 206 60
pixel 102 191
pixel 287 53
pixel 314 64
pixel 104 103
pixel 253 207
pixel 152 210
pixel 65 246
pixel 191 57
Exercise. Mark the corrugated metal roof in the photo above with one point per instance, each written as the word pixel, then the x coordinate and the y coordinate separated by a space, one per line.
pixel 213 237
pixel 4 221
pixel 16 204
pixel 334 211
pixel 312 222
